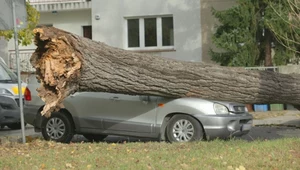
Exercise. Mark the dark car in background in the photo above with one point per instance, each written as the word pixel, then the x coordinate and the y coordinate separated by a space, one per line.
pixel 9 98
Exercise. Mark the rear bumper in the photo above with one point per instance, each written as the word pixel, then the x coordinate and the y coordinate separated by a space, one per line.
pixel 30 112
pixel 226 126
pixel 32 117
pixel 9 110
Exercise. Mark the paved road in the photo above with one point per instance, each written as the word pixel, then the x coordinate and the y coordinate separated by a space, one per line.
pixel 29 130
pixel 271 133
pixel 257 133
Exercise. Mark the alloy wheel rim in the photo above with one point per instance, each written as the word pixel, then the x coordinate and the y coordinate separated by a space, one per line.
pixel 55 128
pixel 183 130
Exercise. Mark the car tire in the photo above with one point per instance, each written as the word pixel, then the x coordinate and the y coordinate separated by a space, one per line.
pixel 15 126
pixel 94 137
pixel 58 127
pixel 184 128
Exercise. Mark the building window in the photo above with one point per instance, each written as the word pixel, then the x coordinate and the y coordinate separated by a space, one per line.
pixel 87 31
pixel 150 32
pixel 133 33
pixel 157 32
pixel 167 31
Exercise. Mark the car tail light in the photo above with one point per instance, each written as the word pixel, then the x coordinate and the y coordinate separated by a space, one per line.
pixel 27 94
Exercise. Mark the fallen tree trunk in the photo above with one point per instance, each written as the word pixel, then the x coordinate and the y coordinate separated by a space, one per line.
pixel 66 63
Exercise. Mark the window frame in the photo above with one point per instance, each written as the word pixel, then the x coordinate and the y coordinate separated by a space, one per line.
pixel 159 35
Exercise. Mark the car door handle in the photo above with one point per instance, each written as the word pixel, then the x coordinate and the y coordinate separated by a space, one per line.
pixel 115 98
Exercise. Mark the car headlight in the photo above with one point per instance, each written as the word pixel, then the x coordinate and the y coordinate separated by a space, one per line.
pixel 220 109
pixel 5 92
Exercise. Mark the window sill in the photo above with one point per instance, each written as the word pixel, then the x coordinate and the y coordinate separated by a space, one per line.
pixel 152 49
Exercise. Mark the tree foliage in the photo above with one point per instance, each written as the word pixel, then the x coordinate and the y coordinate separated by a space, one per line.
pixel 285 24
pixel 25 35
pixel 236 35
pixel 249 30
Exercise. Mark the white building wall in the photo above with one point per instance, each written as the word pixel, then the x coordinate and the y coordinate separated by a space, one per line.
pixel 71 21
pixel 110 28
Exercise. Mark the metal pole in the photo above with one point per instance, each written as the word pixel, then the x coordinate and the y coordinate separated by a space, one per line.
pixel 18 71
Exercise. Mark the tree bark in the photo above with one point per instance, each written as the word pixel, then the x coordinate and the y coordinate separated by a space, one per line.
pixel 66 63
pixel 268 49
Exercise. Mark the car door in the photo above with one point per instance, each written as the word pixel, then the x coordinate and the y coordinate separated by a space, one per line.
pixel 114 112
pixel 87 108
pixel 130 113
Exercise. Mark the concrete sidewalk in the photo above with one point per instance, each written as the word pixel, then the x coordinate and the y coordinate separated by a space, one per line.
pixel 280 118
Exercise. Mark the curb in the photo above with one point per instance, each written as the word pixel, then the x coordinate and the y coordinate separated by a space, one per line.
pixel 292 121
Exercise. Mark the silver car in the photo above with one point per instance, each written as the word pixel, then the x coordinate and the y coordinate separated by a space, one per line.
pixel 96 115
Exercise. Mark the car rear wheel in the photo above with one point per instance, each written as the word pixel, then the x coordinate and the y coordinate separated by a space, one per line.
pixel 58 128
pixel 184 128
pixel 94 137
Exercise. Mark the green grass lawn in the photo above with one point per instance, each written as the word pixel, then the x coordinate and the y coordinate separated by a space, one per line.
pixel 219 154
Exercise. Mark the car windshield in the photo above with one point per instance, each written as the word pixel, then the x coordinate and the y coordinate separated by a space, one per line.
pixel 6 75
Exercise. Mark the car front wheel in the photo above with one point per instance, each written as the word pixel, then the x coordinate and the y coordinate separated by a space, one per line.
pixel 184 128
pixel 58 128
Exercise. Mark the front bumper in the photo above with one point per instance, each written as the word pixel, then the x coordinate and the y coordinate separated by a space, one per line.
pixel 226 126
pixel 9 111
